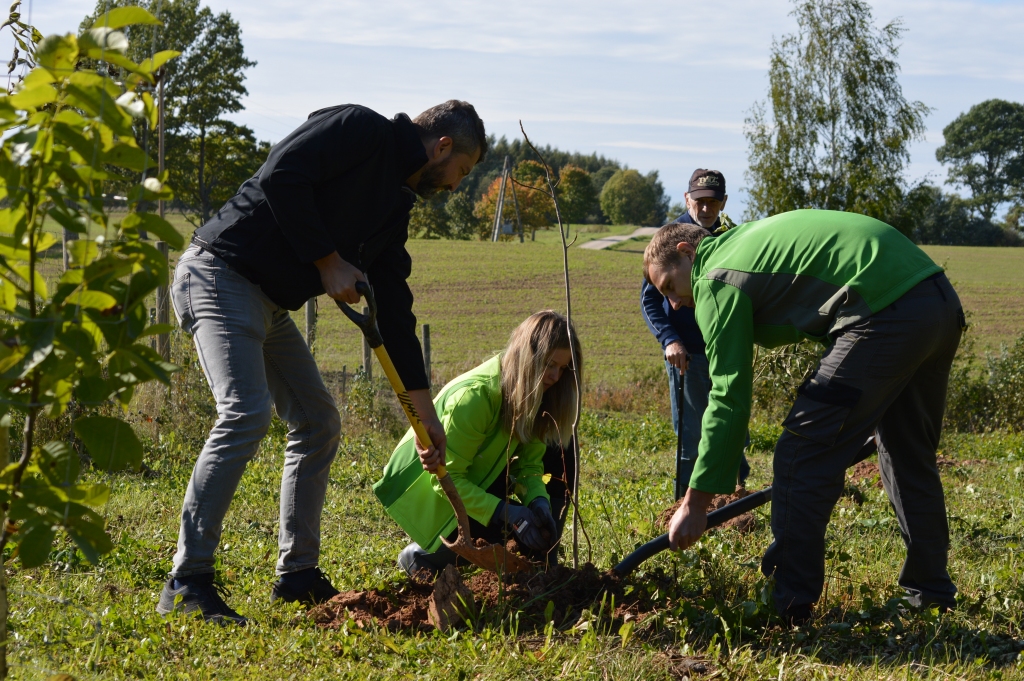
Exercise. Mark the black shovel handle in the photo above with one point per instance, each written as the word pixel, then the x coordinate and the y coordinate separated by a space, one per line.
pixel 367 323
pixel 716 518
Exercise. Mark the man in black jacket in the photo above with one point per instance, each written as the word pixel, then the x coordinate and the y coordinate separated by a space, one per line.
pixel 329 208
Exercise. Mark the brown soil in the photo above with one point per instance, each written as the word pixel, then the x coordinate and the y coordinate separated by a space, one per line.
pixel 404 608
pixel 570 591
pixel 868 470
pixel 742 523
pixel 865 470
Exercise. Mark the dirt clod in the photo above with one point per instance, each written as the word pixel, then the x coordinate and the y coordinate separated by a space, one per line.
pixel 451 602
pixel 742 523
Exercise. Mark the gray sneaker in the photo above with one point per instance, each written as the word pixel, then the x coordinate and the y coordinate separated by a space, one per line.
pixel 198 594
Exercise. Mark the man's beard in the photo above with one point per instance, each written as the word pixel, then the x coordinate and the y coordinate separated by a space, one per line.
pixel 432 179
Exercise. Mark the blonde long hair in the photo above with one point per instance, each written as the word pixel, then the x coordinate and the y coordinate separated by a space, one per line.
pixel 527 410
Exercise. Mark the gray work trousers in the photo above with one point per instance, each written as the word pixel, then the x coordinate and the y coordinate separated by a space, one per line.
pixel 254 359
pixel 886 375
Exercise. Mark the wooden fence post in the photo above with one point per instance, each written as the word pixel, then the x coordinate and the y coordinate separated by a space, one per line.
pixel 310 322
pixel 367 353
pixel 163 308
pixel 426 354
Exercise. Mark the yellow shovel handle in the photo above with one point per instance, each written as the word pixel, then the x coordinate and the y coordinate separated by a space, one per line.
pixel 403 397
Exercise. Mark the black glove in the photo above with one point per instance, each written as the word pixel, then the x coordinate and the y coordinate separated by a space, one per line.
pixel 542 512
pixel 522 522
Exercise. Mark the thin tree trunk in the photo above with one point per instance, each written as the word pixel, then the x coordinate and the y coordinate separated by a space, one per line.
pixel 204 210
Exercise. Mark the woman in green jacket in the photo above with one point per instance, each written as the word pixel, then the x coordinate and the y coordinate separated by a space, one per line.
pixel 508 423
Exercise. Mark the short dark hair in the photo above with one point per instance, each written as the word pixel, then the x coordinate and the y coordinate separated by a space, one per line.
pixel 458 120
pixel 662 249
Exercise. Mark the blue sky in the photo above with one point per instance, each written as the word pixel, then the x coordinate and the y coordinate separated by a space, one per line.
pixel 657 84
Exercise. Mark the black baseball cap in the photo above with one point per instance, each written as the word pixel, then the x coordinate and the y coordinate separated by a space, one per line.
pixel 707 183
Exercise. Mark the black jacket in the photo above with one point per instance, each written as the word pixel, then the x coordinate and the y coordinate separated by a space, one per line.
pixel 336 183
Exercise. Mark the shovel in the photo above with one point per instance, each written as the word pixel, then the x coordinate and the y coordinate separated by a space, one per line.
pixel 716 518
pixel 491 557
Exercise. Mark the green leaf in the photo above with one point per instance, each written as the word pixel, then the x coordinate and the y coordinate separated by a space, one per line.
pixel 70 136
pixel 35 539
pixel 153 223
pixel 78 341
pixel 128 156
pixel 45 240
pixel 82 251
pixel 69 221
pixel 111 442
pixel 91 93
pixel 158 60
pixel 38 77
pixel 58 54
pixel 157 329
pixel 59 463
pixel 122 61
pixel 90 537
pixel 96 300
pixel 94 390
pixel 94 495
pixel 126 16
pixel 33 98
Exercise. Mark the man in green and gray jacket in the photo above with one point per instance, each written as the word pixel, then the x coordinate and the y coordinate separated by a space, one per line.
pixel 891 323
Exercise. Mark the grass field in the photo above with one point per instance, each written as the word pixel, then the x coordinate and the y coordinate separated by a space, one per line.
pixel 709 611
pixel 99 623
pixel 472 294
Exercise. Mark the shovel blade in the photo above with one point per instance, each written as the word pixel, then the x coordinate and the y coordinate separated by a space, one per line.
pixel 493 557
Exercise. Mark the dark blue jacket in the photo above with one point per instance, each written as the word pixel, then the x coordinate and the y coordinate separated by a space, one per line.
pixel 668 325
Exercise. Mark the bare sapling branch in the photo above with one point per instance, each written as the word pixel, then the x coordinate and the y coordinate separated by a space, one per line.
pixel 562 233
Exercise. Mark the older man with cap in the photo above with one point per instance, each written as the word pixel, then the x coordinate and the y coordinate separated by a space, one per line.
pixel 681 339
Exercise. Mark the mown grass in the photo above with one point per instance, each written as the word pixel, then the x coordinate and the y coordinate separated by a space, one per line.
pixel 99 621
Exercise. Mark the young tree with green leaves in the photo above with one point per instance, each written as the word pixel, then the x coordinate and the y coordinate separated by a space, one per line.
pixel 985 152
pixel 207 156
pixel 81 341
pixel 835 130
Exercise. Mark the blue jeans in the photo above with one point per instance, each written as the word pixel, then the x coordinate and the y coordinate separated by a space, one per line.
pixel 696 388
pixel 254 359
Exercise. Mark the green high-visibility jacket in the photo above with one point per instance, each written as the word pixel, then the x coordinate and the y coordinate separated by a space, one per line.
pixel 478 449
pixel 807 274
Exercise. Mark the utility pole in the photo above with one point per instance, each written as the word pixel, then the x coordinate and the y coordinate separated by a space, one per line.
pixel 163 312
pixel 501 202
pixel 515 200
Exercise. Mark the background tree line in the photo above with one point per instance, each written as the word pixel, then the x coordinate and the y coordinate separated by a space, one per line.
pixel 592 189
pixel 835 130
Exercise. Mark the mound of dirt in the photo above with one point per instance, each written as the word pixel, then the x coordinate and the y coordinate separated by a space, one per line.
pixel 868 470
pixel 403 608
pixel 742 523
pixel 865 470
pixel 570 591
